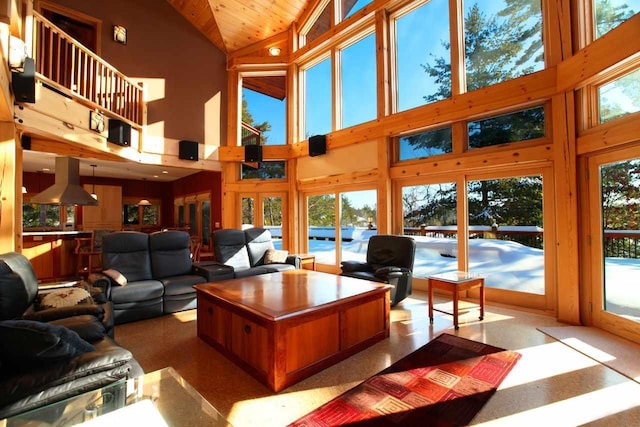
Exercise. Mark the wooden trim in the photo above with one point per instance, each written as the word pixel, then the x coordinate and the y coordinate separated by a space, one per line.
pixel 613 134
pixel 566 191
pixel 456 38
pixel 383 61
pixel 11 189
pixel 593 61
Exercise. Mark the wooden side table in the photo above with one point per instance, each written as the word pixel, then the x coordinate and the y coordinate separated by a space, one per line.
pixel 455 282
pixel 307 261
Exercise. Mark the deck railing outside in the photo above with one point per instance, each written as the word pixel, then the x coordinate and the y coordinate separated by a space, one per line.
pixel 250 135
pixel 67 65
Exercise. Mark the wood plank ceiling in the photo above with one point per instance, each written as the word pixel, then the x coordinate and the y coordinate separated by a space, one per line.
pixel 233 24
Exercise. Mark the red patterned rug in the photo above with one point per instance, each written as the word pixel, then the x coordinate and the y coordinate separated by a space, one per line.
pixel 443 383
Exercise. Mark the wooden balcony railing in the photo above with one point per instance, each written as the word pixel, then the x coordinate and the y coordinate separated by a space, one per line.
pixel 250 135
pixel 66 65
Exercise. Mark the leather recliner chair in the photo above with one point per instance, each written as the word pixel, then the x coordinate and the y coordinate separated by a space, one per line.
pixel 19 294
pixel 389 260
pixel 30 381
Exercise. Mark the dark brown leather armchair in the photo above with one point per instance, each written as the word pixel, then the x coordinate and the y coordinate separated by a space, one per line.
pixel 389 260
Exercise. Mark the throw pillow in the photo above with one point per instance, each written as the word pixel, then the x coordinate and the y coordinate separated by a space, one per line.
pixel 116 276
pixel 26 341
pixel 65 297
pixel 274 256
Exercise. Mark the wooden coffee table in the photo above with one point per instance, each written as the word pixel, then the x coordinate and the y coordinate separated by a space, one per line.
pixel 284 327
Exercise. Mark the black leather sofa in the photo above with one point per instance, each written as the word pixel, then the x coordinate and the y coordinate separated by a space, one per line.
pixel 389 260
pixel 246 252
pixel 50 354
pixel 156 271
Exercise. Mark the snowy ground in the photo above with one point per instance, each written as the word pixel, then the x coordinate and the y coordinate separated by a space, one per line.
pixel 506 265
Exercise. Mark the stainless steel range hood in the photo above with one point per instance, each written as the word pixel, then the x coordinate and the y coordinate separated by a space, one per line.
pixel 67 189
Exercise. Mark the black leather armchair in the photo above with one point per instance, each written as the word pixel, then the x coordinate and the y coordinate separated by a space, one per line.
pixel 52 354
pixel 19 296
pixel 389 260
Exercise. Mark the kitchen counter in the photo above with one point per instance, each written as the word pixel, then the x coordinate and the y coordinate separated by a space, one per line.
pixel 55 233
pixel 52 253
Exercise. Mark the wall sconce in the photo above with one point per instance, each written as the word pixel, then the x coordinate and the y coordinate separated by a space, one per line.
pixel 24 190
pixel 119 34
pixel 96 121
pixel 274 51
pixel 17 53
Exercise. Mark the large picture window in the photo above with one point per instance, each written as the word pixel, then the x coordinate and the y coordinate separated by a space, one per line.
pixel 317 99
pixel 358 78
pixel 503 40
pixel 423 61
pixel 608 14
pixel 619 97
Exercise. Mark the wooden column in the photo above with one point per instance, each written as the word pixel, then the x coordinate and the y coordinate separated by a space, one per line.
pixel 10 189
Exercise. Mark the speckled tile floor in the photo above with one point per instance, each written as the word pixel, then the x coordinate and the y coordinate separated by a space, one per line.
pixel 551 385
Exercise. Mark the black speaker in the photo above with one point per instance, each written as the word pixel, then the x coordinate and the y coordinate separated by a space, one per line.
pixel 119 132
pixel 24 83
pixel 188 150
pixel 253 153
pixel 25 142
pixel 317 145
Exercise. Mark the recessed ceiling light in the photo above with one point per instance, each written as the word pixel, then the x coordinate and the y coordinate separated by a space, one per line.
pixel 45 169
pixel 155 176
pixel 165 171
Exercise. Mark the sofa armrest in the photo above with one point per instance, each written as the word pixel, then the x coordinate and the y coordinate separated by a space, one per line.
pixel 98 280
pixel 294 260
pixel 388 273
pixel 57 313
pixel 350 266
pixel 213 271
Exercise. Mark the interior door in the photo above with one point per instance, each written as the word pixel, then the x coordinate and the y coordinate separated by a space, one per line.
pixel 614 190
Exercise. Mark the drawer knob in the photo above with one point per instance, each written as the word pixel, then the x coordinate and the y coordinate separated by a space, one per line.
pixel 247 329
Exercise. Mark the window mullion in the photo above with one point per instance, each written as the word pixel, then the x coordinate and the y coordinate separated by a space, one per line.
pixel 456 31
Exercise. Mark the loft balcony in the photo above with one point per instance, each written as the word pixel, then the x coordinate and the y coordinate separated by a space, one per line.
pixel 77 94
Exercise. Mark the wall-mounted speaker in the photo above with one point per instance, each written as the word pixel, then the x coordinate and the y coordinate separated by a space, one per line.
pixel 24 83
pixel 188 150
pixel 253 153
pixel 119 132
pixel 25 142
pixel 317 145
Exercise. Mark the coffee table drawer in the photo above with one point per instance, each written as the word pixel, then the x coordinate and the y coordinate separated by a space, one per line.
pixel 249 342
pixel 211 321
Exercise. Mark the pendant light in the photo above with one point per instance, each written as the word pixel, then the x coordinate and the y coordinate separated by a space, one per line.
pixel 93 187
pixel 143 201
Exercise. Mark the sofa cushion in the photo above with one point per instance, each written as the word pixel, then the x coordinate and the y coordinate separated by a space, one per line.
pixel 178 285
pixel 274 256
pixel 230 248
pixel 65 297
pixel 127 252
pixel 170 255
pixel 258 242
pixel 27 341
pixel 117 277
pixel 366 275
pixel 276 267
pixel 137 291
pixel 253 271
